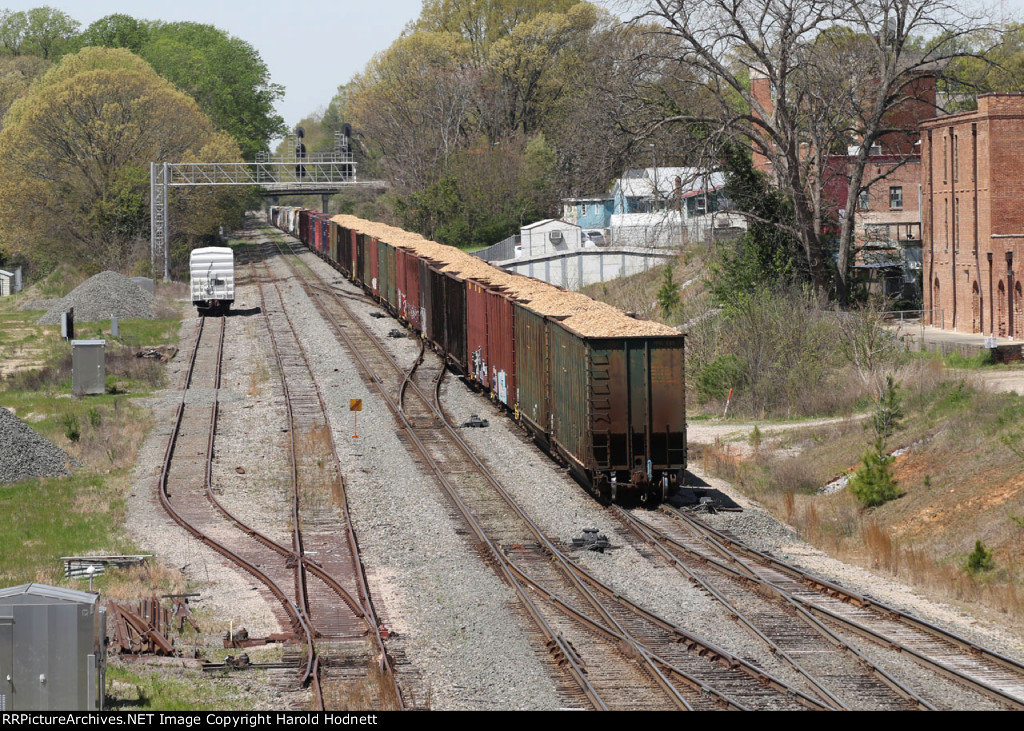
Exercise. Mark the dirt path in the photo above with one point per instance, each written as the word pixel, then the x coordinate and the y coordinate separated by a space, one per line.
pixel 710 430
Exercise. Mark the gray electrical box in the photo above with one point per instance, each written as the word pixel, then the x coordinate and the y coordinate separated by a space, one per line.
pixel 88 367
pixel 52 649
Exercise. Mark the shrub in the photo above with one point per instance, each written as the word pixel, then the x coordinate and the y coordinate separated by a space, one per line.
pixel 71 430
pixel 980 559
pixel 873 484
pixel 721 374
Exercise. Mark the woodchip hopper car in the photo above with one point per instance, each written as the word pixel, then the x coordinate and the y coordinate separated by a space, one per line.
pixel 599 390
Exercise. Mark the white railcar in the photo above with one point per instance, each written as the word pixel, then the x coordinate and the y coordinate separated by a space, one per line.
pixel 213 279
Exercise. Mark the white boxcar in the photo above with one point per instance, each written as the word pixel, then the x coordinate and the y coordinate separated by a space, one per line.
pixel 213 278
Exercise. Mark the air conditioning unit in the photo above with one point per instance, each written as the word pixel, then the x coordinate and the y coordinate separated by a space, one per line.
pixel 555 237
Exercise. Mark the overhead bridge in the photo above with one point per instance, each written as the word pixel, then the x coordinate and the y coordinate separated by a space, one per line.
pixel 321 175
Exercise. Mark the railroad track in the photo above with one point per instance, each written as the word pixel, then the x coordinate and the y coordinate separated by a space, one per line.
pixel 619 655
pixel 185 487
pixel 836 672
pixel 333 584
pixel 982 670
pixel 331 617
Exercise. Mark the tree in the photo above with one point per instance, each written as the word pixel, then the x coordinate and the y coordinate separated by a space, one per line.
pixel 12 31
pixel 980 559
pixel 75 154
pixel 869 346
pixel 799 79
pixel 413 104
pixel 767 253
pixel 668 295
pixel 16 76
pixel 116 31
pixel 873 484
pixel 49 32
pixel 225 75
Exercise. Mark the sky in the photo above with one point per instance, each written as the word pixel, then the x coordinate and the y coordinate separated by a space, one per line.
pixel 310 46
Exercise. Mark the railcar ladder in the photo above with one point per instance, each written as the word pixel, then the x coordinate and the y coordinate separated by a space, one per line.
pixel 599 398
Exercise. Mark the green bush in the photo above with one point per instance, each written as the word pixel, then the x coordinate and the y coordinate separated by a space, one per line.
pixel 71 430
pixel 721 374
pixel 980 559
pixel 873 484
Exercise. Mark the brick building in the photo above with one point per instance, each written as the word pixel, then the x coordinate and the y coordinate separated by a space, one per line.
pixel 887 215
pixel 972 178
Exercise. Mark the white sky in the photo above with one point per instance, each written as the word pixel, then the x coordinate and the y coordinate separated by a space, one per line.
pixel 310 46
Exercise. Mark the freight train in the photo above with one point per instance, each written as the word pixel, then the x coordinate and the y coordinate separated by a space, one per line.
pixel 600 391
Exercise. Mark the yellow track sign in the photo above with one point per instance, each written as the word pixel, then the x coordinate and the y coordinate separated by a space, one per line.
pixel 355 404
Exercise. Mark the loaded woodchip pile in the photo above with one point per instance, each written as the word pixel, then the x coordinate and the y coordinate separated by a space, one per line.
pixel 584 315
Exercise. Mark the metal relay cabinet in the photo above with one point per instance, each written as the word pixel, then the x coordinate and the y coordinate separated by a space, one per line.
pixel 52 649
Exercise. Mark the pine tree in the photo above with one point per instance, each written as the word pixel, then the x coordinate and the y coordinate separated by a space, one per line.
pixel 668 295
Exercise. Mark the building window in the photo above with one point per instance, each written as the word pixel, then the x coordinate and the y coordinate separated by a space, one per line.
pixel 864 200
pixel 896 197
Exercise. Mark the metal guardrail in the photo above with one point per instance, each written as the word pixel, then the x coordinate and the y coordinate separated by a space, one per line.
pixel 905 315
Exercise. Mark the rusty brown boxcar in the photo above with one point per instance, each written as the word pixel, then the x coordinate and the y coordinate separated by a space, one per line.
pixel 601 392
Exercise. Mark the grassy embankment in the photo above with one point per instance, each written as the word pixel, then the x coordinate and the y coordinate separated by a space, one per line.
pixel 961 478
pixel 49 518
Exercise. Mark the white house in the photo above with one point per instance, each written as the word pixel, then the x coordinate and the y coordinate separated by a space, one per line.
pixel 10 282
pixel 551 236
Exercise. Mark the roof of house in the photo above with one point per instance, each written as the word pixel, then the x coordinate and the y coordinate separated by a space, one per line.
pixel 661 182
pixel 537 224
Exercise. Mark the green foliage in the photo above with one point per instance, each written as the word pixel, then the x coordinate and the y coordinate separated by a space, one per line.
pixel 873 483
pixel 437 213
pixel 981 359
pixel 889 411
pixel 225 75
pixel 723 373
pixel 116 31
pixel 766 255
pixel 668 296
pixel 71 429
pixel 980 559
pixel 74 162
pixel 44 31
pixel 94 417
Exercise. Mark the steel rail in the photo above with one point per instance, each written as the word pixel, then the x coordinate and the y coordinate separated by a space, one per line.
pixel 881 610
pixel 563 650
pixel 572 572
pixel 658 539
pixel 297 619
pixel 704 647
pixel 363 608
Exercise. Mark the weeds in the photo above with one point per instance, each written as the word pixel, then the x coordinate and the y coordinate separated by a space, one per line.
pixel 71 430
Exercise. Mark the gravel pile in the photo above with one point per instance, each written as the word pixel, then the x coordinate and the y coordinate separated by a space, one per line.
pixel 106 295
pixel 24 454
